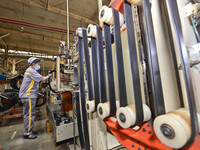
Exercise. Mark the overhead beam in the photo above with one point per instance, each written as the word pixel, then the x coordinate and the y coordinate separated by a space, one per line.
pixel 30 35
pixel 22 57
pixel 59 11
pixel 100 4
pixel 49 52
pixel 3 43
pixel 4 35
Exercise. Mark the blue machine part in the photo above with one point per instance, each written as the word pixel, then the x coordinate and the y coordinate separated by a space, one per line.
pixel 3 77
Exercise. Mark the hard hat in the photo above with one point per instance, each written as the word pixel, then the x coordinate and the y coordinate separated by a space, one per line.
pixel 31 59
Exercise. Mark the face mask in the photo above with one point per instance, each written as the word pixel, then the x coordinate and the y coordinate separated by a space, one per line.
pixel 37 68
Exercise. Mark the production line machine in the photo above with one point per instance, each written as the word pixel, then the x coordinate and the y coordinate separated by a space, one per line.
pixel 139 71
pixel 60 111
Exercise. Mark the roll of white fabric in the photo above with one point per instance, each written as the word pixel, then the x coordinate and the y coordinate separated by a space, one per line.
pixel 92 30
pixel 103 109
pixel 106 15
pixel 126 116
pixel 174 128
pixel 80 33
pixel 90 106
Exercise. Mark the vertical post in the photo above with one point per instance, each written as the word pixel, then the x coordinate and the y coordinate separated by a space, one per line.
pixel 58 73
pixel 53 64
pixel 6 59
pixel 68 24
pixel 43 68
pixel 100 4
pixel 5 66
pixel 14 66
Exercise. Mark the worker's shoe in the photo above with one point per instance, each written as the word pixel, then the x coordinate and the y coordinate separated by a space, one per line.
pixel 30 136
pixel 35 132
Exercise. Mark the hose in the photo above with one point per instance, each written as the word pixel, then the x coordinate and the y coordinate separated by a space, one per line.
pixel 49 82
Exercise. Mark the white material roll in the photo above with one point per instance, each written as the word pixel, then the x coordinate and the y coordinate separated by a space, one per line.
pixel 126 115
pixel 188 112
pixel 147 113
pixel 135 2
pixel 121 19
pixel 80 32
pixel 103 109
pixel 90 106
pixel 174 128
pixel 92 30
pixel 106 15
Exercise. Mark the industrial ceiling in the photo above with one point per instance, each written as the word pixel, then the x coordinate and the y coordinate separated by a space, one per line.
pixel 38 25
pixel 50 13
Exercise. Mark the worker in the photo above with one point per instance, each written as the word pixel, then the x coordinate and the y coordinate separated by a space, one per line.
pixel 28 94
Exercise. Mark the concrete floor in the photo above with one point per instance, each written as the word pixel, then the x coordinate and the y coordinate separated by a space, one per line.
pixel 44 141
pixel 11 136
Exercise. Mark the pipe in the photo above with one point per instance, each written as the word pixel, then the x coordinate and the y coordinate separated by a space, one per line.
pixel 29 25
pixel 68 24
pixel 34 25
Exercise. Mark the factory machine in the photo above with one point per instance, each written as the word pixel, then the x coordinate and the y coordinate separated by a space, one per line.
pixel 136 75
pixel 138 72
pixel 60 111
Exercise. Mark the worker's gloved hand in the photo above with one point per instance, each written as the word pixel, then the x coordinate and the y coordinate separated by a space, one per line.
pixel 50 75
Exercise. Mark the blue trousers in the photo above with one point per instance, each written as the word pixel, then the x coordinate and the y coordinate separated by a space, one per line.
pixel 29 114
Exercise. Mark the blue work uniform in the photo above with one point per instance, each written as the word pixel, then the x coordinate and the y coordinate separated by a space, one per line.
pixel 28 94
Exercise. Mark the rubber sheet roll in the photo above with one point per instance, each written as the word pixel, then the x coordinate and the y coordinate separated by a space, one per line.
pixel 106 15
pixel 90 106
pixel 80 33
pixel 135 2
pixel 174 128
pixel 92 30
pixel 126 116
pixel 103 109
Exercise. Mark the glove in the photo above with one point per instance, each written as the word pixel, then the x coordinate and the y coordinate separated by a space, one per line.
pixel 50 75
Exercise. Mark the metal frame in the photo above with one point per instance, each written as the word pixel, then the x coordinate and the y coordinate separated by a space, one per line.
pixel 16 112
pixel 143 138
